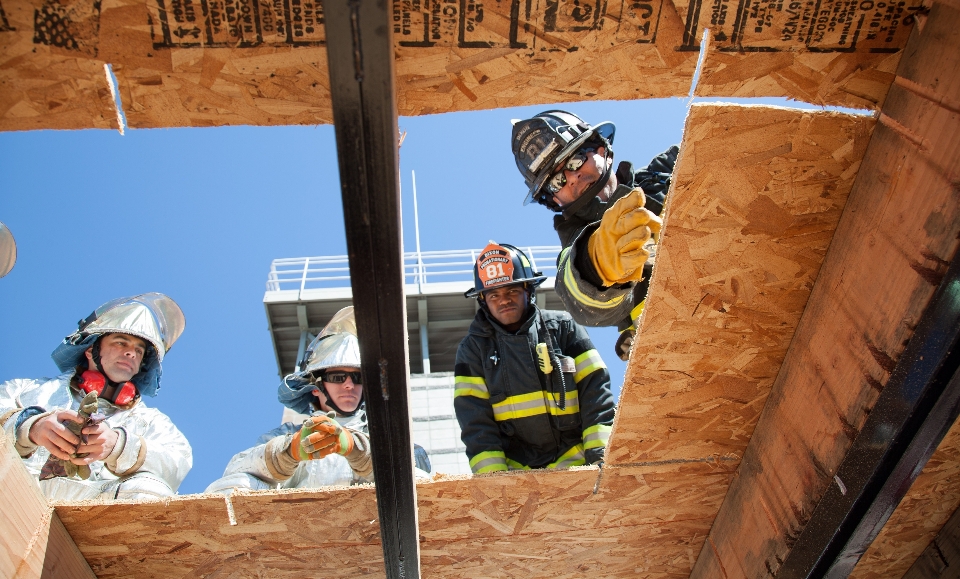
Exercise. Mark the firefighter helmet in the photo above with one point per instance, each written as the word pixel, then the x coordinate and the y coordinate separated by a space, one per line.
pixel 502 265
pixel 542 144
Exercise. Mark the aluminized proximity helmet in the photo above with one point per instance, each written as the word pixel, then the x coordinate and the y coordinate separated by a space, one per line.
pixel 336 345
pixel 541 145
pixel 153 317
pixel 501 265
pixel 8 250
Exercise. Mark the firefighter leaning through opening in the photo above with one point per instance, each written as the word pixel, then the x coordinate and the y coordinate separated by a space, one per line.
pixel 330 447
pixel 127 450
pixel 605 219
pixel 531 391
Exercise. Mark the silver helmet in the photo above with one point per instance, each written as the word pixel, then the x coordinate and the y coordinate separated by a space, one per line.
pixel 336 345
pixel 8 250
pixel 153 317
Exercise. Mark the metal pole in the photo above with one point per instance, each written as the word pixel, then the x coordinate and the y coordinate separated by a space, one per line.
pixel 421 277
pixel 360 54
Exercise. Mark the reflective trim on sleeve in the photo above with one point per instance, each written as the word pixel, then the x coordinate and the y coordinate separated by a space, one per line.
pixel 488 461
pixel 635 313
pixel 596 436
pixel 587 363
pixel 573 457
pixel 470 386
pixel 574 289
pixel 514 465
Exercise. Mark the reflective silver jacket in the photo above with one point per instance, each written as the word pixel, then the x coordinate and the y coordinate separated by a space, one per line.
pixel 153 447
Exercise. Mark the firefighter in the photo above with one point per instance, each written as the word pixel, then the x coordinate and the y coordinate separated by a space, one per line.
pixel 531 391
pixel 331 447
pixel 135 452
pixel 605 218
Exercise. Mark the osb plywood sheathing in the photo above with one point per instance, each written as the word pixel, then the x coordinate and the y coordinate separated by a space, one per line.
pixel 756 197
pixel 898 233
pixel 33 541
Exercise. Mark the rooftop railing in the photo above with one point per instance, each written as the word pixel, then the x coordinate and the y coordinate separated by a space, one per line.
pixel 301 273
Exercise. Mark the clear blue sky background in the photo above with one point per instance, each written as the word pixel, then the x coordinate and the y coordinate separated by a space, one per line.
pixel 198 214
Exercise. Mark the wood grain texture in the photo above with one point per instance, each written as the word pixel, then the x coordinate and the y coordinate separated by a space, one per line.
pixel 558 524
pixel 931 501
pixel 258 62
pixel 898 233
pixel 33 542
pixel 757 194
pixel 49 75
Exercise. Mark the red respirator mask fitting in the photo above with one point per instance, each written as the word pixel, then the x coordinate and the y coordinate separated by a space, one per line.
pixel 93 381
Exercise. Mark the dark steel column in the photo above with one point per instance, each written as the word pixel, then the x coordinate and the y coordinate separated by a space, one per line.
pixel 917 407
pixel 360 56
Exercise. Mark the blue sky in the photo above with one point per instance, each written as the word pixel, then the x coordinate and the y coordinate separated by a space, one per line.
pixel 198 214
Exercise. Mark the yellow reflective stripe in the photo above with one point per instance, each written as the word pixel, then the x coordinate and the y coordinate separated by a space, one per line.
pixel 635 313
pixel 573 457
pixel 574 289
pixel 596 436
pixel 587 362
pixel 535 403
pixel 470 386
pixel 514 465
pixel 520 406
pixel 572 403
pixel 488 461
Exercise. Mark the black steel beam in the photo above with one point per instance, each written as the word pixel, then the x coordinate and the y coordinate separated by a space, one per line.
pixel 360 56
pixel 917 407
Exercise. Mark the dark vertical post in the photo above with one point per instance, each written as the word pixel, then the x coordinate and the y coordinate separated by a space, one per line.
pixel 360 56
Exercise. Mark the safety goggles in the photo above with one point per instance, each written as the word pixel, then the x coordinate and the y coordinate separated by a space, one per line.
pixel 556 182
pixel 341 377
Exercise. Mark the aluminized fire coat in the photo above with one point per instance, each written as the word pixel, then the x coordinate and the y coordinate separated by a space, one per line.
pixel 153 460
pixel 8 250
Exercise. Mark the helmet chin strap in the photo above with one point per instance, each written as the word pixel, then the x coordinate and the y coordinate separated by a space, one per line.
pixel 333 404
pixel 594 189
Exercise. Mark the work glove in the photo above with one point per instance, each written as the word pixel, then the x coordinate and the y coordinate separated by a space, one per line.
pixel 321 436
pixel 616 247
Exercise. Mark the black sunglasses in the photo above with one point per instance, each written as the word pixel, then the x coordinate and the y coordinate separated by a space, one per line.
pixel 555 183
pixel 341 377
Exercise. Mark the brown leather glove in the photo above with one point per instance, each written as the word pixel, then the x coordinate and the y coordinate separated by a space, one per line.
pixel 616 247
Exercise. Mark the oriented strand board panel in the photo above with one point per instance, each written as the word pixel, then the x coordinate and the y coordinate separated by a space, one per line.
pixel 262 62
pixel 929 504
pixel 316 533
pixel 49 75
pixel 33 542
pixel 649 519
pixel 829 52
pixel 757 194
pixel 898 233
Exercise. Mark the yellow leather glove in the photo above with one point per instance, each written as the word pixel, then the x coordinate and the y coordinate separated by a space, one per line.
pixel 616 247
pixel 320 436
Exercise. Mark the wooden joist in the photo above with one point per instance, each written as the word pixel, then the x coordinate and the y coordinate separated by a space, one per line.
pixel 898 233
pixel 33 541
pixel 229 62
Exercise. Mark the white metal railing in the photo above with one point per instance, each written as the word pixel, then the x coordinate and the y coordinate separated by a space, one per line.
pixel 300 273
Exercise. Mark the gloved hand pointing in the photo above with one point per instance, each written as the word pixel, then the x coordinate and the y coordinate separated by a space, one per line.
pixel 616 247
pixel 320 436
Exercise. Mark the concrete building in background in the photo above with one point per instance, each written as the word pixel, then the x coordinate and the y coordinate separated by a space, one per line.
pixel 303 294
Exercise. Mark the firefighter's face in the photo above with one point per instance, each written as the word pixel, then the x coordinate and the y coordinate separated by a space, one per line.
pixel 120 356
pixel 507 304
pixel 577 182
pixel 346 394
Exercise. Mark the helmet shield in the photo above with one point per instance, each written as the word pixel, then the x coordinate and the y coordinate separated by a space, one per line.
pixel 542 144
pixel 8 250
pixel 153 317
pixel 502 265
